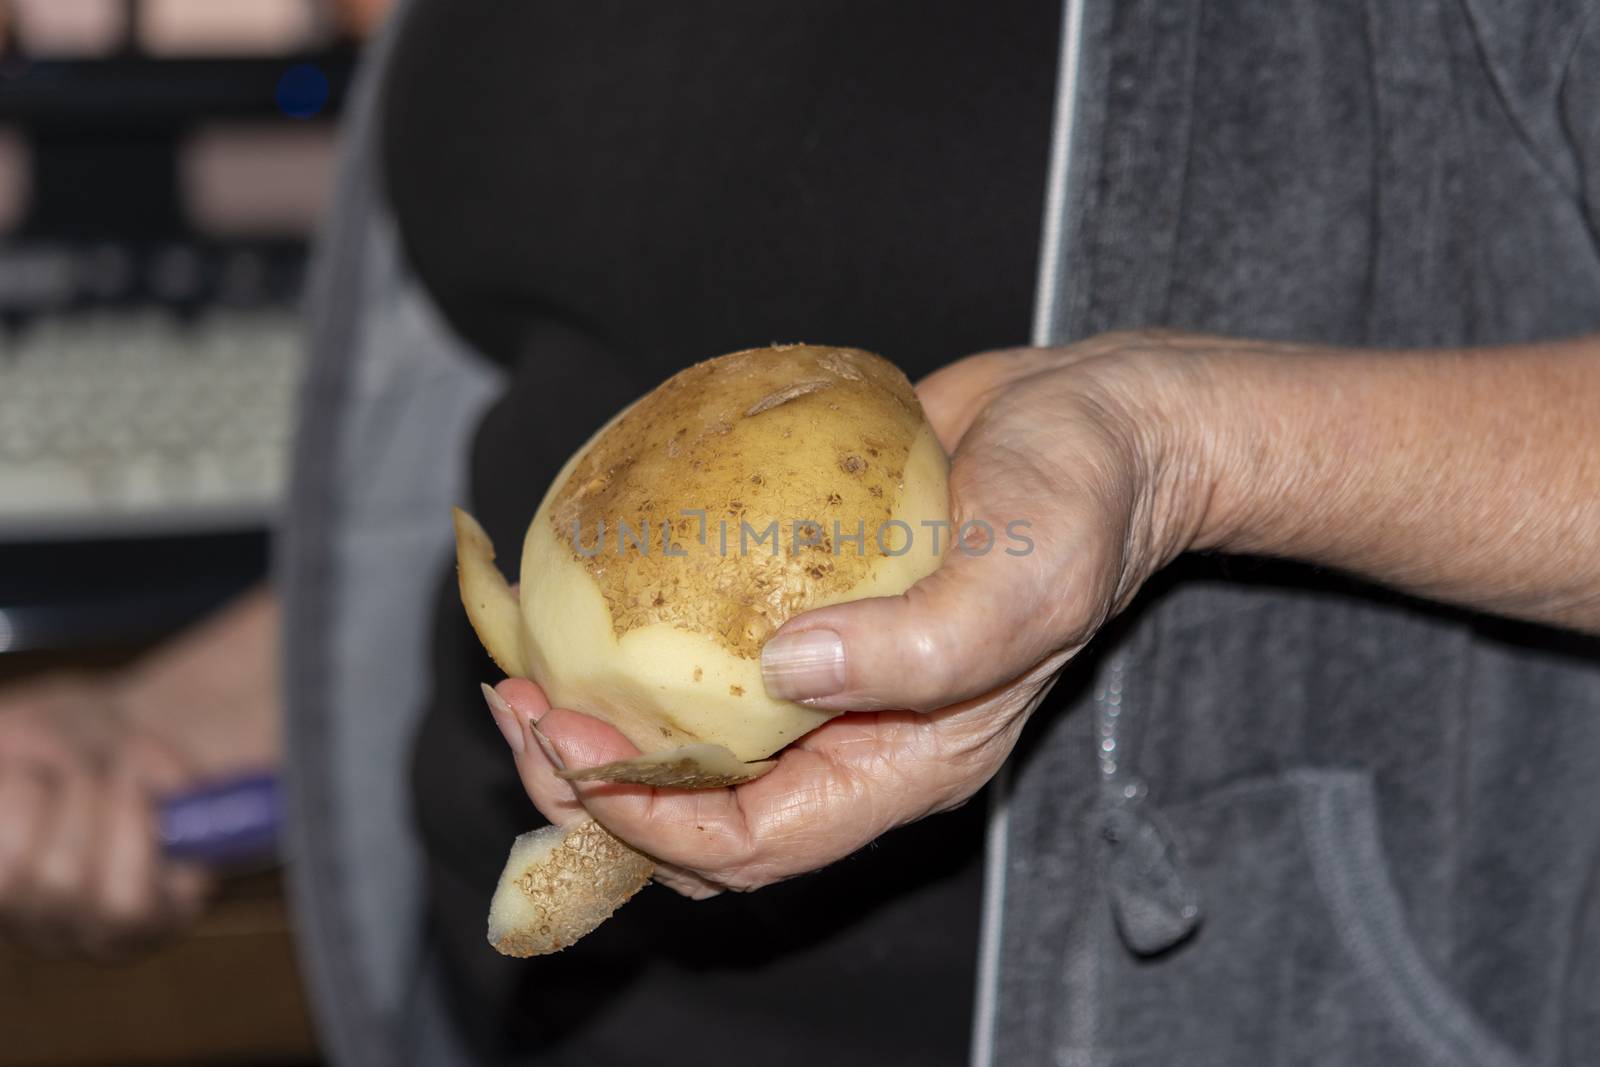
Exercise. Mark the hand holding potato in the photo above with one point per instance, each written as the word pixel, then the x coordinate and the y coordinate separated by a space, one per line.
pixel 1065 450
pixel 740 492
pixel 1414 468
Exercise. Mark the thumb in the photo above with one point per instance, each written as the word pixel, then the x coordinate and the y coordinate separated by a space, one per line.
pixel 993 609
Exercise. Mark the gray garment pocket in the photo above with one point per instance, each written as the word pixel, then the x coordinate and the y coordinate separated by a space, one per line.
pixel 1303 955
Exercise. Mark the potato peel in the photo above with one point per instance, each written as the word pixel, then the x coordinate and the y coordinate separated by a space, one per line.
pixel 698 766
pixel 491 605
pixel 559 883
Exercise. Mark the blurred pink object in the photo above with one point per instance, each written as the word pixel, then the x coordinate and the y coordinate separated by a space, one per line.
pixel 227 27
pixel 52 29
pixel 244 179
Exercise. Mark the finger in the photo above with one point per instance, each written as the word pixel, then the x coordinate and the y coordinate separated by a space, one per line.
pixel 861 775
pixel 802 815
pixel 837 789
pixel 513 704
pixel 591 742
pixel 27 802
pixel 585 742
pixel 516 704
pixel 149 772
pixel 138 895
pixel 23 802
pixel 1001 601
pixel 125 891
pixel 658 822
pixel 57 902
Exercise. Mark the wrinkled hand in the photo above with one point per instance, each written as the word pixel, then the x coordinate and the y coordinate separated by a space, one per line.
pixel 1078 443
pixel 81 871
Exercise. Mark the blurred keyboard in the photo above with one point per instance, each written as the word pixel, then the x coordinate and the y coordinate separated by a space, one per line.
pixel 161 403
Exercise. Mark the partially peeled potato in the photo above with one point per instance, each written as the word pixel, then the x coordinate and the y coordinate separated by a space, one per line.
pixel 742 491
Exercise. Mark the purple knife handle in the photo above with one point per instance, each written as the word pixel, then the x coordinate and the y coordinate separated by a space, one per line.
pixel 231 821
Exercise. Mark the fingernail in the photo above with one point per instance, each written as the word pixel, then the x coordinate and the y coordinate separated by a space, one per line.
pixel 505 718
pixel 546 747
pixel 798 666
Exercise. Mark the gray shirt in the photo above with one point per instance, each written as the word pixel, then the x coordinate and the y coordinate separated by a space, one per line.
pixel 1273 816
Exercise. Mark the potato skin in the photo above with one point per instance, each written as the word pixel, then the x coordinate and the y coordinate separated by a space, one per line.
pixel 559 883
pixel 796 434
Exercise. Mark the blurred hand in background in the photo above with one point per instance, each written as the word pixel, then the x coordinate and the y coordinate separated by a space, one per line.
pixel 80 865
pixel 85 760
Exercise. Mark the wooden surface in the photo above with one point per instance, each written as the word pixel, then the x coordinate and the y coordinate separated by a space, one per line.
pixel 228 992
